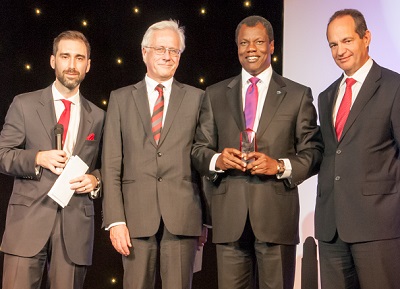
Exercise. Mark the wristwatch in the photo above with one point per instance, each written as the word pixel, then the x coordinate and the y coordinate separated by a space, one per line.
pixel 280 167
pixel 95 193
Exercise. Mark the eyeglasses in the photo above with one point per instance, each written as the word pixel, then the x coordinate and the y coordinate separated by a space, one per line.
pixel 160 50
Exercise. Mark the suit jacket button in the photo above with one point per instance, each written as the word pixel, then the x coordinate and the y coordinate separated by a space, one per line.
pixel 338 152
pixel 337 178
pixel 159 179
pixel 159 154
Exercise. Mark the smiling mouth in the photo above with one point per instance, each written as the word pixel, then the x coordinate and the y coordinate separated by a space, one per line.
pixel 252 58
pixel 342 59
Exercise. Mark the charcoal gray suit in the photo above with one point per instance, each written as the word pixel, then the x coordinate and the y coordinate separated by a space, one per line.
pixel 29 128
pixel 287 129
pixel 146 184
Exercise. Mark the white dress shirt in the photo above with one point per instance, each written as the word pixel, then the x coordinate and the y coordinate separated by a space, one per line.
pixel 73 126
pixel 359 76
pixel 152 94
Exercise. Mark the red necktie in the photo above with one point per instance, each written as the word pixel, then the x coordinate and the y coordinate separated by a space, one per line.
pixel 344 108
pixel 157 117
pixel 64 118
pixel 250 107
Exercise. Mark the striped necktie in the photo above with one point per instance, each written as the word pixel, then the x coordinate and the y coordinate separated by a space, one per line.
pixel 157 117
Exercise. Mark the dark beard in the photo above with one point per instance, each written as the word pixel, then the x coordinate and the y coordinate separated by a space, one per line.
pixel 70 84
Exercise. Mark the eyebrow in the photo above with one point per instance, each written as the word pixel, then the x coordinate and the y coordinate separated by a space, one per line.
pixel 69 54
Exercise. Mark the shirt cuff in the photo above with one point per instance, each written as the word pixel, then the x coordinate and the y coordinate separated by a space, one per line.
pixel 213 162
pixel 114 224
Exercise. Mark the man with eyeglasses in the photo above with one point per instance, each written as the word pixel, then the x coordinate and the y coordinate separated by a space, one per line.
pixel 152 197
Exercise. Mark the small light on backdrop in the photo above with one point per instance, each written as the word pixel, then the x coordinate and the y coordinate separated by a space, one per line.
pixel 28 67
pixel 201 80
pixel 136 10
pixel 84 23
pixel 38 11
pixel 203 11
pixel 104 102
pixel 247 4
pixel 275 59
pixel 119 60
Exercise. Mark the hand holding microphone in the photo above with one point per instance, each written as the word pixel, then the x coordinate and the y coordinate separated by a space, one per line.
pixel 58 132
pixel 55 159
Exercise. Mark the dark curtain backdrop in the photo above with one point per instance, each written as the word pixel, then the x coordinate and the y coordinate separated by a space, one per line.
pixel 115 31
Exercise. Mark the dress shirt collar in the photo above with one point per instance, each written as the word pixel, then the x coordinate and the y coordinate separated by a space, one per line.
pixel 151 84
pixel 58 96
pixel 360 74
pixel 264 77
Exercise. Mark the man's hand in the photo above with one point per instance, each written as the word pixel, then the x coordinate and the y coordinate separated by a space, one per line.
pixel 52 160
pixel 83 184
pixel 230 158
pixel 262 164
pixel 120 239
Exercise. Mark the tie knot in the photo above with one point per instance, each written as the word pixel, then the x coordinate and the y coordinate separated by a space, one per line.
pixel 159 88
pixel 66 103
pixel 254 80
pixel 350 82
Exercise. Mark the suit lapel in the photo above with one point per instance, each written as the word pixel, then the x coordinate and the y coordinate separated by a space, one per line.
pixel 367 91
pixel 47 113
pixel 140 98
pixel 235 103
pixel 273 99
pixel 175 101
pixel 85 125
pixel 331 99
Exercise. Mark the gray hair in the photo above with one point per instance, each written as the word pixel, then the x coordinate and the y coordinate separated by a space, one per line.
pixel 166 24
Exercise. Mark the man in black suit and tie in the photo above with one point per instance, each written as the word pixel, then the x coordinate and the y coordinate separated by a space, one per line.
pixel 39 231
pixel 357 219
pixel 152 198
pixel 255 206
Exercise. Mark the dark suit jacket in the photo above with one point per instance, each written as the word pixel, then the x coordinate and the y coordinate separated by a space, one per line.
pixel 142 181
pixel 29 128
pixel 359 180
pixel 287 129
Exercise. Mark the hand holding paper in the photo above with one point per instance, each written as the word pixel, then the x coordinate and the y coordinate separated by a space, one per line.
pixel 61 191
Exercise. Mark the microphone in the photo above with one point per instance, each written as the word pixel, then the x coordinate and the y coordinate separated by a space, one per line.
pixel 58 131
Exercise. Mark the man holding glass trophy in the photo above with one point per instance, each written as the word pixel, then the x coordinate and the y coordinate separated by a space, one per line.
pixel 253 196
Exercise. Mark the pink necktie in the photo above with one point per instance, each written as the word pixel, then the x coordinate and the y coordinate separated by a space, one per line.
pixel 64 118
pixel 344 108
pixel 250 108
pixel 157 117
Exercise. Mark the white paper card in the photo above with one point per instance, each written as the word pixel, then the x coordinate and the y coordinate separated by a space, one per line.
pixel 61 192
pixel 198 260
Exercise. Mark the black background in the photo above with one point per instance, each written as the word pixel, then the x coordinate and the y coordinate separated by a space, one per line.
pixel 115 31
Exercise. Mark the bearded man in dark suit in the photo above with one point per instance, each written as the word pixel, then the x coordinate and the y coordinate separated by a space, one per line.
pixel 38 230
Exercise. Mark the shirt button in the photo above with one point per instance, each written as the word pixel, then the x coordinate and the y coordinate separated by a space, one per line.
pixel 337 178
